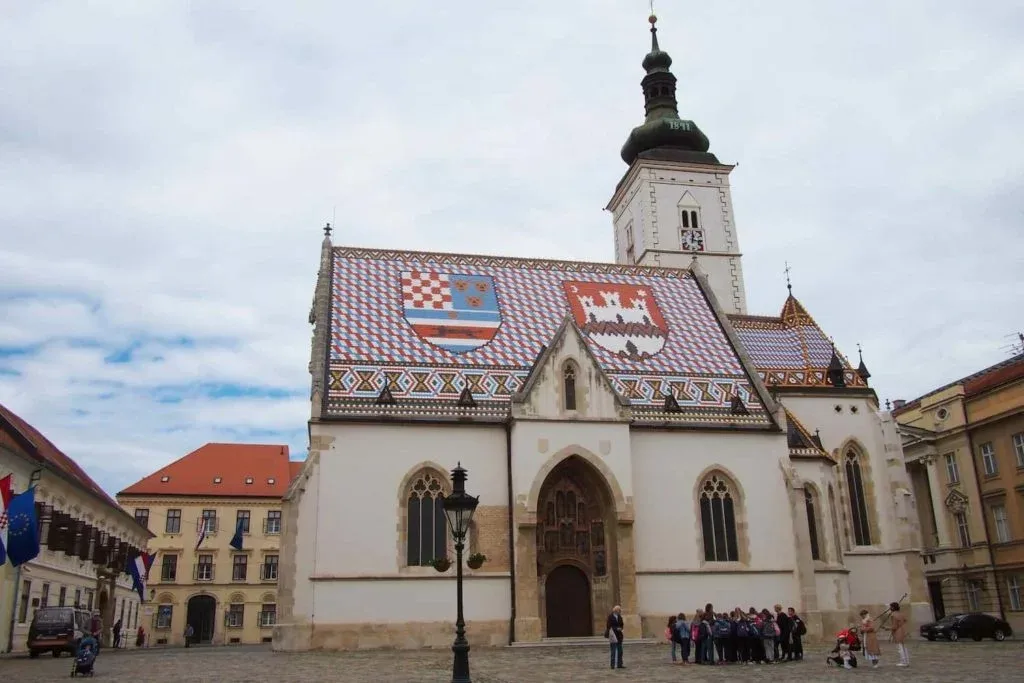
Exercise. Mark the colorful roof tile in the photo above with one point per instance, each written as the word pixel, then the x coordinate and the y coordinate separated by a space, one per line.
pixel 790 350
pixel 802 444
pixel 18 433
pixel 428 326
pixel 229 470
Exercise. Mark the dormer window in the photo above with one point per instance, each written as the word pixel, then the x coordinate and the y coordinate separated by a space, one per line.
pixel 271 481
pixel 248 480
pixel 217 480
pixel 569 387
pixel 164 479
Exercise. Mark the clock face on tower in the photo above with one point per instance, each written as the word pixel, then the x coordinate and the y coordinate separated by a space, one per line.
pixel 693 240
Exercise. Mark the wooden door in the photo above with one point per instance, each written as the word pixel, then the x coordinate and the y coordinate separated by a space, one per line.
pixel 567 596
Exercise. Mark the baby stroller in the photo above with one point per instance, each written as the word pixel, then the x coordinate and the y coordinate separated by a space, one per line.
pixel 84 662
pixel 847 643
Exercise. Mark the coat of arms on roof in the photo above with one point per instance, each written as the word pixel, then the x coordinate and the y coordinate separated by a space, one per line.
pixel 623 319
pixel 457 312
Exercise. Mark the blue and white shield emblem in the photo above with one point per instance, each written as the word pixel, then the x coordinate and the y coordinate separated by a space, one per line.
pixel 455 311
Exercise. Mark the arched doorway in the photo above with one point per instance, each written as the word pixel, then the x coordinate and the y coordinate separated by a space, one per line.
pixel 200 615
pixel 567 596
pixel 576 549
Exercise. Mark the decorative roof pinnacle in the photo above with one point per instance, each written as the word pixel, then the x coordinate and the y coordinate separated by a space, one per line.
pixel 328 230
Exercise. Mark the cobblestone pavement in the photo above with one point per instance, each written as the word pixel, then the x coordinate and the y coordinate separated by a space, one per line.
pixel 931 663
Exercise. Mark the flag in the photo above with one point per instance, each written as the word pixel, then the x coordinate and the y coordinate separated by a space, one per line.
pixel 200 531
pixel 23 530
pixel 5 499
pixel 138 568
pixel 236 540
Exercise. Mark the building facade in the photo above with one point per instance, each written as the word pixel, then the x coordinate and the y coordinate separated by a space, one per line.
pixel 194 507
pixel 964 445
pixel 85 538
pixel 635 437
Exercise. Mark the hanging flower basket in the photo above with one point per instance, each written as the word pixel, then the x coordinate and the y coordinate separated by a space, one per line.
pixel 441 564
pixel 476 560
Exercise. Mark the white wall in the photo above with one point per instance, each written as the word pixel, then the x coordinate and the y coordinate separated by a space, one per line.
pixel 666 467
pixel 669 593
pixel 361 476
pixel 833 589
pixel 306 541
pixel 409 600
pixel 876 579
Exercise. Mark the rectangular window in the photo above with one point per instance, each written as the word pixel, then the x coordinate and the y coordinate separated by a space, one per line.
pixel 268 615
pixel 239 567
pixel 204 568
pixel 273 523
pixel 1013 588
pixel 974 596
pixel 78 598
pixel 169 568
pixel 173 523
pixel 268 572
pixel 62 596
pixel 630 249
pixel 242 519
pixel 44 597
pixel 23 601
pixel 988 460
pixel 236 615
pixel 962 529
pixel 163 617
pixel 1018 448
pixel 1002 524
pixel 88 599
pixel 142 516
pixel 952 468
pixel 210 520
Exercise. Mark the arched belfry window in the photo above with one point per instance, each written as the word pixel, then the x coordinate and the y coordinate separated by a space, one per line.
pixel 858 501
pixel 426 529
pixel 812 523
pixel 569 386
pixel 718 519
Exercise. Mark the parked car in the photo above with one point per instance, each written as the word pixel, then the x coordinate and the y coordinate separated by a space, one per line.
pixel 57 629
pixel 975 625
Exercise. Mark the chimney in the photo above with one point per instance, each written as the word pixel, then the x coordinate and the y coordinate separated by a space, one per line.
pixel 898 403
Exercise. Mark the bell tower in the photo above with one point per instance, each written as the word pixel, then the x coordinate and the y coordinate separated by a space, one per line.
pixel 673 205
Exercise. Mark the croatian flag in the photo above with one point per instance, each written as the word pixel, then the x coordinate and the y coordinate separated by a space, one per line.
pixel 5 499
pixel 138 568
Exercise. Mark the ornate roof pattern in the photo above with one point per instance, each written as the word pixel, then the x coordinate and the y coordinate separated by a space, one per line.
pixel 791 350
pixel 427 326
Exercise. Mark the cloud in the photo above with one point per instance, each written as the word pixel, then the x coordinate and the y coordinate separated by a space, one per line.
pixel 166 167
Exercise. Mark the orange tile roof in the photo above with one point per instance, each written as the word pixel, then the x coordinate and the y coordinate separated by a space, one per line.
pixel 994 375
pixel 233 464
pixel 15 431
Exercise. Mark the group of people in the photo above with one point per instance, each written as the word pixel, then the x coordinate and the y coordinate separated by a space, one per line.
pixel 736 637
pixel 848 641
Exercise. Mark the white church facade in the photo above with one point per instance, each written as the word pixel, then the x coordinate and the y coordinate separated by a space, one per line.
pixel 635 437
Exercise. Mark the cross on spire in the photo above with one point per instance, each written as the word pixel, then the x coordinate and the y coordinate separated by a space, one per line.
pixel 327 230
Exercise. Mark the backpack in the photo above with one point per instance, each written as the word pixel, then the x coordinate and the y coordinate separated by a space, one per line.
pixel 682 630
pixel 742 631
pixel 722 628
pixel 801 628
pixel 768 629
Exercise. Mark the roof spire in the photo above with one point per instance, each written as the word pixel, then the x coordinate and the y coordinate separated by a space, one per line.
pixel 789 285
pixel 328 230
pixel 835 373
pixel 862 370
pixel 654 29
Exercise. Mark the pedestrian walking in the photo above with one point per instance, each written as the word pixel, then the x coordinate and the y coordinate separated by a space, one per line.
pixel 189 632
pixel 613 632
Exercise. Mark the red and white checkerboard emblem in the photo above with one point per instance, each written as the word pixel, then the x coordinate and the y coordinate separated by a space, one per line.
pixel 456 312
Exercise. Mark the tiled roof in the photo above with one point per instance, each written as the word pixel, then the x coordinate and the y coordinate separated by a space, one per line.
pixel 29 440
pixel 233 470
pixel 801 442
pixel 994 375
pixel 429 325
pixel 790 350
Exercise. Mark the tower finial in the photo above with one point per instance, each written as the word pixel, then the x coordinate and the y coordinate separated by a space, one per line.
pixel 327 230
pixel 654 29
pixel 789 285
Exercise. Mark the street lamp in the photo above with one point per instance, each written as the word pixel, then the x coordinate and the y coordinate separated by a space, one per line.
pixel 459 508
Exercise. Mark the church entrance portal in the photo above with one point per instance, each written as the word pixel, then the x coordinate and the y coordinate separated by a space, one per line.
pixel 568 603
pixel 201 610
pixel 575 550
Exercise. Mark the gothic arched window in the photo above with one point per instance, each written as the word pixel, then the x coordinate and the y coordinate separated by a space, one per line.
pixel 569 386
pixel 858 502
pixel 718 519
pixel 812 522
pixel 834 514
pixel 426 527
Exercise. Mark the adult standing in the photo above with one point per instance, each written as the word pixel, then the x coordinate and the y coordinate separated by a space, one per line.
pixel 117 634
pixel 783 651
pixel 899 633
pixel 613 632
pixel 189 632
pixel 872 650
pixel 798 629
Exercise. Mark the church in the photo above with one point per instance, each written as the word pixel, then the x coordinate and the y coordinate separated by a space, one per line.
pixel 635 437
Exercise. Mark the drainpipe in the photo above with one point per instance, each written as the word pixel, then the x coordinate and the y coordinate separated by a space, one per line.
pixel 984 523
pixel 14 608
pixel 511 532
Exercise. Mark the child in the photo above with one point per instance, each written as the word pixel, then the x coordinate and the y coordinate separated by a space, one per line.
pixel 672 636
pixel 846 643
pixel 683 634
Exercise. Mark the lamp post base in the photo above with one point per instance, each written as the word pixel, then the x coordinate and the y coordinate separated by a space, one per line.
pixel 460 667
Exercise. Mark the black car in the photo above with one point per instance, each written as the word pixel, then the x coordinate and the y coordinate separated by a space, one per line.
pixel 975 626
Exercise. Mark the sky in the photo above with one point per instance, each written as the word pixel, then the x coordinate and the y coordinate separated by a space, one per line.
pixel 166 168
